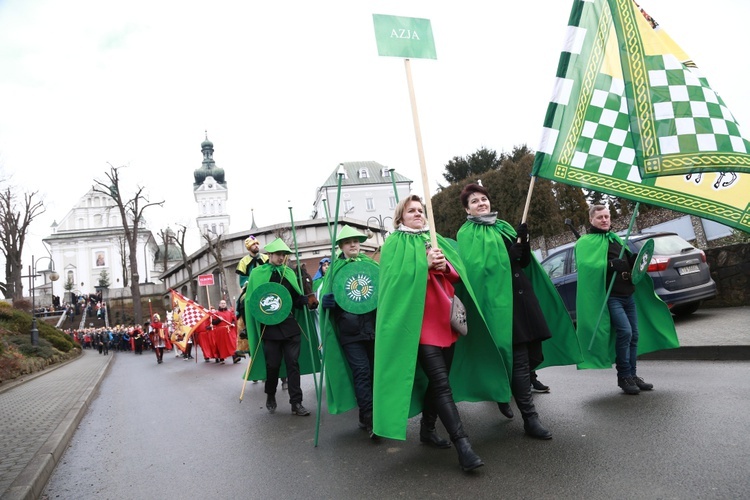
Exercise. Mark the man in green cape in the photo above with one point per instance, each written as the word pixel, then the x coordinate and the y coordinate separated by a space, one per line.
pixel 478 372
pixel 283 341
pixel 349 337
pixel 634 319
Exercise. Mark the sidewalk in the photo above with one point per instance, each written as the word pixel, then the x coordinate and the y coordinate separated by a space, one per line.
pixel 39 416
pixel 41 413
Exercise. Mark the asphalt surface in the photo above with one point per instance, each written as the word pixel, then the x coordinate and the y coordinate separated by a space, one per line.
pixel 177 430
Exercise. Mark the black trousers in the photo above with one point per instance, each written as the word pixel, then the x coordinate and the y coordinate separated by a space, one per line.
pixel 436 363
pixel 288 350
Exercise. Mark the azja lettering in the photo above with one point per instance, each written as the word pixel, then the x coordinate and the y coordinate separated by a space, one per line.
pixel 404 33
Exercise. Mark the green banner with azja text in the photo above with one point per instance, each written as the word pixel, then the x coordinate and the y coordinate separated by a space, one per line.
pixel 409 37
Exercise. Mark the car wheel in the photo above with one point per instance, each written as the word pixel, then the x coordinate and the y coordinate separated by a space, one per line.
pixel 686 309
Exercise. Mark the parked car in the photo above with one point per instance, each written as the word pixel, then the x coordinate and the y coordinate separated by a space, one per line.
pixel 680 273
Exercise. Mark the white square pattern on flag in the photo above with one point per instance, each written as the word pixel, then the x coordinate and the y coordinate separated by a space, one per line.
pixel 689 115
pixel 605 145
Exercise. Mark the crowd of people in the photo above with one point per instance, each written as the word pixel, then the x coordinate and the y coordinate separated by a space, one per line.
pixel 470 319
pixel 431 323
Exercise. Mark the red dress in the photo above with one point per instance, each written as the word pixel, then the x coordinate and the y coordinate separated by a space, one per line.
pixel 225 333
pixel 203 338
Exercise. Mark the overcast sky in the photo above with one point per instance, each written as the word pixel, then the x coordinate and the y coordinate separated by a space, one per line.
pixel 286 91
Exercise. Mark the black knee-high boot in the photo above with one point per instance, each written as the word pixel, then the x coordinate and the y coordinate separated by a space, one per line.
pixel 521 388
pixel 467 458
pixel 427 432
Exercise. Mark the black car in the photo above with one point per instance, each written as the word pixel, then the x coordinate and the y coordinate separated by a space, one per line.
pixel 679 270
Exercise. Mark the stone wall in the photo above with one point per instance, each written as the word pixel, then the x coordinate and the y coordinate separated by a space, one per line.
pixel 730 269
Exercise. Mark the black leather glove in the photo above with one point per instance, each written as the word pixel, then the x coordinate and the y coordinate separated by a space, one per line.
pixel 300 302
pixel 515 252
pixel 243 334
pixel 523 232
pixel 328 301
pixel 619 265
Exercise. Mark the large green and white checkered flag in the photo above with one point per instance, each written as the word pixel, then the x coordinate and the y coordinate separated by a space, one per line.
pixel 626 122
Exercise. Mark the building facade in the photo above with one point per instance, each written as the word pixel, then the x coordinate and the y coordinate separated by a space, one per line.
pixel 211 194
pixel 368 193
pixel 88 246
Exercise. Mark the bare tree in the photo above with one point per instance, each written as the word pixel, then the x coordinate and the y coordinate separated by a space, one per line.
pixel 122 245
pixel 215 247
pixel 179 240
pixel 166 238
pixel 14 224
pixel 131 214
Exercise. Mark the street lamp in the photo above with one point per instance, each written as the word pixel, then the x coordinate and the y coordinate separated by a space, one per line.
pixel 381 223
pixel 53 276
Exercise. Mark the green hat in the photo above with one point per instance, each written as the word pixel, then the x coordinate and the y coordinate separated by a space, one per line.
pixel 277 245
pixel 346 233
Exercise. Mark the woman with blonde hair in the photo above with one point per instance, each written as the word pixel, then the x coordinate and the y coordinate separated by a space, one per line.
pixel 415 343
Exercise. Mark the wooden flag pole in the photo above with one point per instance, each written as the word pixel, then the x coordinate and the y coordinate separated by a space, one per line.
pixel 420 151
pixel 528 200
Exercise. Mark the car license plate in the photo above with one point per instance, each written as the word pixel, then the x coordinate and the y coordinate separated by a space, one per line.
pixel 688 270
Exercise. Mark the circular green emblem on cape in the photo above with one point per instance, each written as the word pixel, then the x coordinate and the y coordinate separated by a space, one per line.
pixel 642 261
pixel 355 287
pixel 270 303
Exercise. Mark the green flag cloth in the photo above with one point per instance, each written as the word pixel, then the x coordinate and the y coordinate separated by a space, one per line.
pixel 307 363
pixel 478 372
pixel 656 329
pixel 483 250
pixel 632 116
pixel 340 396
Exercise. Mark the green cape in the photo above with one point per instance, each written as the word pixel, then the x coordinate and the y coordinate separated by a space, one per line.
pixel 656 329
pixel 478 372
pixel 486 258
pixel 307 363
pixel 340 396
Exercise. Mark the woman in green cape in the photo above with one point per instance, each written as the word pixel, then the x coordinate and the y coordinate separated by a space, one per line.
pixel 517 299
pixel 414 342
pixel 349 332
pixel 283 341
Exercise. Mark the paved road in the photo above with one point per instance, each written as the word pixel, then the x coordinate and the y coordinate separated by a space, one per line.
pixel 178 431
pixel 179 426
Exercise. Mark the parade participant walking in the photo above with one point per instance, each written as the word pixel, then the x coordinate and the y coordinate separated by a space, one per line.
pixel 283 340
pixel 349 333
pixel 137 336
pixel 158 337
pixel 250 261
pixel 415 343
pixel 225 333
pixel 632 312
pixel 501 269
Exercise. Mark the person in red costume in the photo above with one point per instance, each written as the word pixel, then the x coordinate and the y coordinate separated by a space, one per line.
pixel 159 339
pixel 225 333
pixel 203 336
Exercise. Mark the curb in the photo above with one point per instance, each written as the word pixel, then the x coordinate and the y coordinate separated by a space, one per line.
pixel 701 353
pixel 30 483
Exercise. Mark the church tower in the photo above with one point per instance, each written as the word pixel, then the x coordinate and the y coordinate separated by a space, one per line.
pixel 211 194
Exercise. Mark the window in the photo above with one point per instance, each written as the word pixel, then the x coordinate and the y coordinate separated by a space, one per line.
pixel 555 266
pixel 392 202
pixel 386 172
pixel 370 203
pixel 348 206
pixel 363 174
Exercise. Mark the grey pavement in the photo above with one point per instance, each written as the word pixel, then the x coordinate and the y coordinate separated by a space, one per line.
pixel 41 412
pixel 39 415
